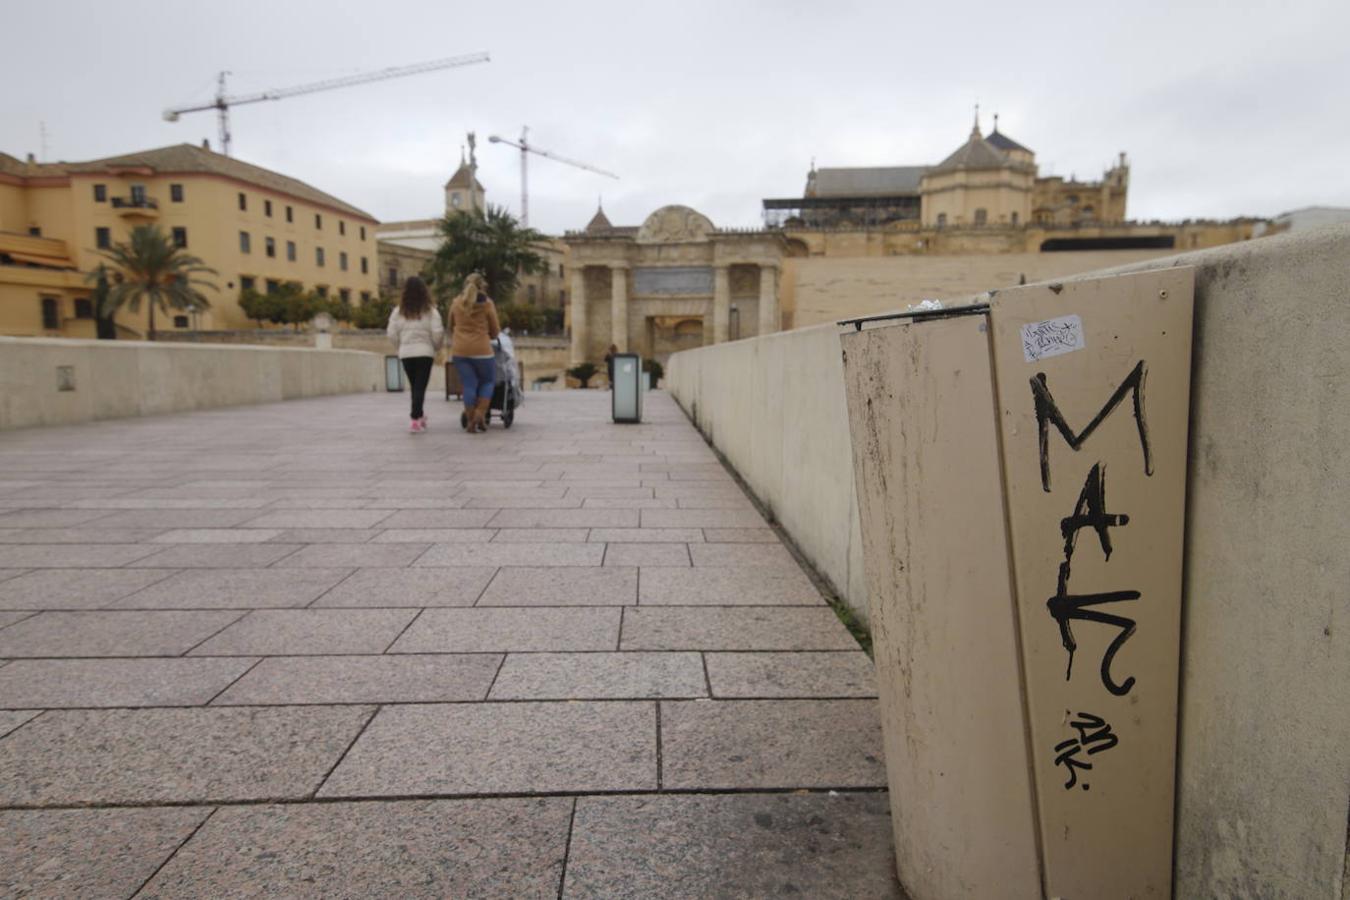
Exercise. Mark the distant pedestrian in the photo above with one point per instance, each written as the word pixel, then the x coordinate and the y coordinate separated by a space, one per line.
pixel 473 325
pixel 415 328
pixel 612 352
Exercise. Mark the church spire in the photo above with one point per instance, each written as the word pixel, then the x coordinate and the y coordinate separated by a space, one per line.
pixel 975 131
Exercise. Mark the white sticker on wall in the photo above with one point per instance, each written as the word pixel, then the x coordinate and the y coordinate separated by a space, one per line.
pixel 1052 337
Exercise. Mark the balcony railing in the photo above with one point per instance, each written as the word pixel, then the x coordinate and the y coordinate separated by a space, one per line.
pixel 135 203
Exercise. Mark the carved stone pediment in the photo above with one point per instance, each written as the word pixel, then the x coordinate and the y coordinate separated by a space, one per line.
pixel 674 225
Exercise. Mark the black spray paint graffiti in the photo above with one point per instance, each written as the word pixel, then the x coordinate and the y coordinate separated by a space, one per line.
pixel 1094 736
pixel 1090 512
pixel 1048 413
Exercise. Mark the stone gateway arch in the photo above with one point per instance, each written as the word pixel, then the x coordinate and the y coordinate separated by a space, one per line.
pixel 675 282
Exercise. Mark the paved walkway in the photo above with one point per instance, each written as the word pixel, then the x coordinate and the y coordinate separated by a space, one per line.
pixel 291 650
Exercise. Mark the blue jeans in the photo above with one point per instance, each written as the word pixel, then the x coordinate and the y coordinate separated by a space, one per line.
pixel 478 376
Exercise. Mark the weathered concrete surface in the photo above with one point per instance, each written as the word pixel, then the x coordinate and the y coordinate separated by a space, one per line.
pixel 114 379
pixel 357 657
pixel 1263 790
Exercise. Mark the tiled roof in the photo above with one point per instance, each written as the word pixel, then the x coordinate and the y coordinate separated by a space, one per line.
pixel 461 179
pixel 599 222
pixel 189 158
pixel 1002 142
pixel 867 182
pixel 976 153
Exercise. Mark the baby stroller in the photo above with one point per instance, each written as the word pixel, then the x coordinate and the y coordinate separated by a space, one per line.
pixel 506 393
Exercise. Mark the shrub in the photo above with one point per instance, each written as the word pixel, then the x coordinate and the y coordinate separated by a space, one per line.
pixel 583 372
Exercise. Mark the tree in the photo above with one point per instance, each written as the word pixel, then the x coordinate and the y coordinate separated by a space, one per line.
pixel 373 313
pixel 491 242
pixel 150 268
pixel 260 307
pixel 584 372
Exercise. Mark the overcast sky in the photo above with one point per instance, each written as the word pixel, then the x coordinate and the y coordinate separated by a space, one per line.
pixel 1225 108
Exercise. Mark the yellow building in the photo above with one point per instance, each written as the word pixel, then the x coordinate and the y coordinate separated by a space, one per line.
pixel 257 228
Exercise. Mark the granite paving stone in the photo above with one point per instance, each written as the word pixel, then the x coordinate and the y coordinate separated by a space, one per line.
pixel 740 536
pixel 576 586
pixel 701 518
pixel 410 678
pixel 847 673
pixel 320 518
pixel 235 589
pixel 202 755
pixel 320 556
pixel 79 535
pixel 405 849
pixel 72 556
pixel 276 632
pixel 218 536
pixel 566 518
pixel 599 676
pixel 541 535
pixel 647 535
pixel 771 744
pixel 727 586
pixel 410 587
pixel 622 503
pixel 322 503
pixel 647 555
pixel 75 588
pixel 88 852
pixel 138 633
pixel 734 628
pixel 49 518
pixel 7 574
pixel 324 535
pixel 217 556
pixel 489 748
pixel 10 719
pixel 499 503
pixel 495 554
pixel 509 630
pixel 732 845
pixel 58 683
pixel 177 518
pixel 742 555
pixel 435 536
pixel 440 518
pixel 11 616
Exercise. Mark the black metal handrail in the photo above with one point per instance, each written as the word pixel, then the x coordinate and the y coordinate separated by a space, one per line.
pixel 135 203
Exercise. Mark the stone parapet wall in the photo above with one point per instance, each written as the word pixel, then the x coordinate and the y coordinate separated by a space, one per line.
pixel 1262 789
pixel 54 381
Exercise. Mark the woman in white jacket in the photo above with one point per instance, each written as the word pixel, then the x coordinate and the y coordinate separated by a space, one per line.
pixel 415 328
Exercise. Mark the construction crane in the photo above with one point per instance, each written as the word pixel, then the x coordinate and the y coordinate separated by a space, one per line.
pixel 526 148
pixel 222 103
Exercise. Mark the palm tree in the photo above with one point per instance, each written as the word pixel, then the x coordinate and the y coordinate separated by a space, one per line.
pixel 489 241
pixel 150 268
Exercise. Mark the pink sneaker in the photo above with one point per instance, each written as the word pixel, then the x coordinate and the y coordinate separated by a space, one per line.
pixel 424 423
pixel 415 427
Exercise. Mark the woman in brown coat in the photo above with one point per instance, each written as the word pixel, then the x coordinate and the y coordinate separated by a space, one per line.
pixel 473 325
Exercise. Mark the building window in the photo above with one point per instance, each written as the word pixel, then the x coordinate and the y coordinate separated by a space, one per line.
pixel 322 290
pixel 363 232
pixel 345 296
pixel 180 321
pixel 245 246
pixel 342 227
pixel 318 221
pixel 342 260
pixel 530 293
pixel 1071 198
pixel 365 266
pixel 393 276
pixel 51 314
pixel 273 285
pixel 138 195
pixel 942 220
pixel 1014 218
pixel 454 200
pixel 84 308
pixel 365 297
pixel 562 297
pixel 34 231
pixel 100 193
pixel 270 246
pixel 267 208
pixel 981 216
pixel 102 238
pixel 318 257
pixel 180 237
pixel 290 214
pixel 560 270
pixel 243 201
pixel 290 251
pixel 176 193
pixel 246 282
